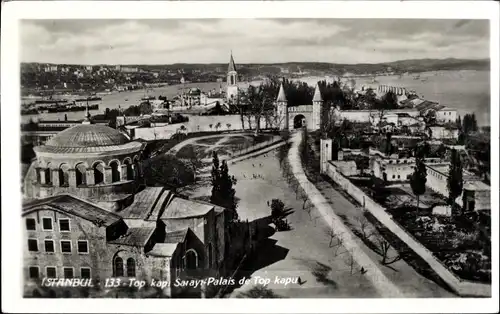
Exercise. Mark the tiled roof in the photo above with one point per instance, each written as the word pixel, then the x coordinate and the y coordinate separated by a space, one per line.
pixel 163 249
pixel 175 236
pixel 88 135
pixel 74 206
pixel 182 208
pixel 143 203
pixel 135 236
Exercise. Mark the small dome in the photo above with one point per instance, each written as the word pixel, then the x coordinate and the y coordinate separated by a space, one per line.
pixel 88 135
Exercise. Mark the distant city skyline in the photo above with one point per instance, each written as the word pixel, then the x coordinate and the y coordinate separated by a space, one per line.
pixel 172 41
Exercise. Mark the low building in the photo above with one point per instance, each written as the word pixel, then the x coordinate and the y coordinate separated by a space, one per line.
pixel 160 236
pixel 443 132
pixel 475 192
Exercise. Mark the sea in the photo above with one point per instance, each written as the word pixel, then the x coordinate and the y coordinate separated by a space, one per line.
pixel 467 91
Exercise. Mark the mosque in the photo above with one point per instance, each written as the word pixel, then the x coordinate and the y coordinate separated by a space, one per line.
pixel 88 214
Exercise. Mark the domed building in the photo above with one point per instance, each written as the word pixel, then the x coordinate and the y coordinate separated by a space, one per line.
pixel 88 215
pixel 93 162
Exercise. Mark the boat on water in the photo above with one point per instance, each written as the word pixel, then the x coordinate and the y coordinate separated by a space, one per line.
pixel 146 98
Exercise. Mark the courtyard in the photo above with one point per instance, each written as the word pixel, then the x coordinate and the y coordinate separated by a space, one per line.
pixel 305 251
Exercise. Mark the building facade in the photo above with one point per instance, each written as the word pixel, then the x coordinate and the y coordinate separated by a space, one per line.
pixel 87 214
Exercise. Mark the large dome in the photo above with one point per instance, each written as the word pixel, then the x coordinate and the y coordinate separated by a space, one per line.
pixel 87 135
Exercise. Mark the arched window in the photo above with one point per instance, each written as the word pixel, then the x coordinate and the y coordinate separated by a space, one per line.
pixel 80 172
pixel 130 171
pixel 191 260
pixel 98 173
pixel 48 174
pixel 115 173
pixel 63 175
pixel 136 168
pixel 118 267
pixel 130 267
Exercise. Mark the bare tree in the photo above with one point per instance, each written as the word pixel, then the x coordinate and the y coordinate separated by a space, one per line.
pixel 383 248
pixel 331 234
pixel 339 243
pixel 364 228
pixel 228 126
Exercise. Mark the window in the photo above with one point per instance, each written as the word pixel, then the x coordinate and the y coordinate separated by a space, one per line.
pixel 399 177
pixel 65 246
pixel 64 224
pixel 47 223
pixel 30 224
pixel 49 246
pixel 118 267
pixel 33 245
pixel 68 272
pixel 34 272
pixel 394 176
pixel 85 272
pixel 83 246
pixel 51 272
pixel 130 267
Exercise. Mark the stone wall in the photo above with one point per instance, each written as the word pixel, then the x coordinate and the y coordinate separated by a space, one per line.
pixel 459 286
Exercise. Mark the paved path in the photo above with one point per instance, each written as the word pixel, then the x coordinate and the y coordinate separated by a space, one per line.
pixel 379 280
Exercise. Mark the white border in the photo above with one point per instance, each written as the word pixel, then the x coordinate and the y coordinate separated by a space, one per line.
pixel 11 272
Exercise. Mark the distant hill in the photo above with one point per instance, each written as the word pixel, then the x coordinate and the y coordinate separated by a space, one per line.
pixel 402 66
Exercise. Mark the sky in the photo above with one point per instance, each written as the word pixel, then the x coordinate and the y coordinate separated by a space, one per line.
pixel 171 41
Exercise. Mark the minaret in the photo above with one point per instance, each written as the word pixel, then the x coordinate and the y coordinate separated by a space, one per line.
pixel 317 104
pixel 232 80
pixel 282 109
pixel 87 115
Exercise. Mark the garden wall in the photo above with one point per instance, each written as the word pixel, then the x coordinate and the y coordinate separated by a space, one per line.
pixel 196 124
pixel 459 286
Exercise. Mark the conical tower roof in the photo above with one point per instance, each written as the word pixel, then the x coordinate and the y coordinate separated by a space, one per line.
pixel 232 66
pixel 281 94
pixel 317 94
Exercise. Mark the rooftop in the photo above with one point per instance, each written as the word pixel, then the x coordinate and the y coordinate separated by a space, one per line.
pixel 182 208
pixel 163 249
pixel 135 236
pixel 88 135
pixel 143 203
pixel 73 206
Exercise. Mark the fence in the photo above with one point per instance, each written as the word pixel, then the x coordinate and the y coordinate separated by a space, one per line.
pixel 460 286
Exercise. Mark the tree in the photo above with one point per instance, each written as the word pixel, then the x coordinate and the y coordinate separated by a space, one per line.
pixel 217 126
pixel 277 208
pixel 383 247
pixel 210 125
pixel 455 180
pixel 418 180
pixel 194 159
pixel 228 125
pixel 223 193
